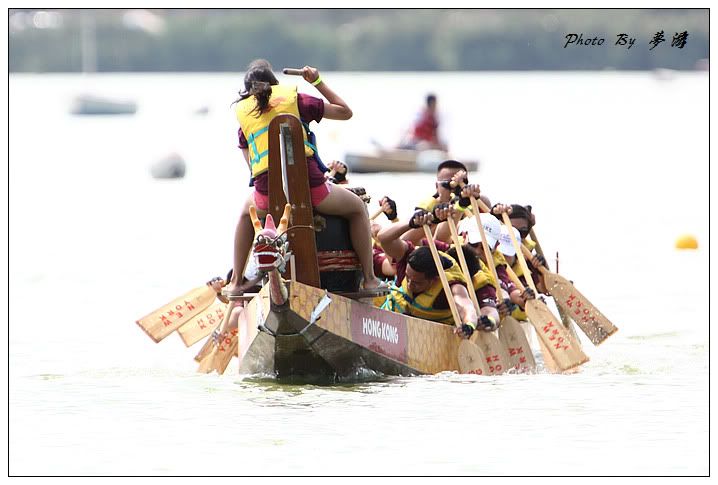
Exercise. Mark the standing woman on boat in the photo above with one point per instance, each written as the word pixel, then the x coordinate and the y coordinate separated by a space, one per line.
pixel 261 100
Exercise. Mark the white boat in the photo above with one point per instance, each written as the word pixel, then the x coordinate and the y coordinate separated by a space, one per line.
pixel 86 104
pixel 400 160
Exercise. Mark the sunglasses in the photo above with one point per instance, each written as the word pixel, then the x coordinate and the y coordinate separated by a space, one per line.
pixel 444 183
pixel 524 232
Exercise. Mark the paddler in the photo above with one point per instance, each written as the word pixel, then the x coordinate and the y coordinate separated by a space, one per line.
pixel 418 290
pixel 499 243
pixel 384 266
pixel 449 175
pixel 261 100
pixel 337 172
pixel 523 219
pixel 217 283
pixel 483 285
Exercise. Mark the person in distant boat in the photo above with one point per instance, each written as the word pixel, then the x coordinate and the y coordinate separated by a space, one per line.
pixel 424 134
pixel 261 100
pixel 418 290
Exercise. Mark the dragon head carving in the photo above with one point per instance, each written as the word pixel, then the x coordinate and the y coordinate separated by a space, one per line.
pixel 271 249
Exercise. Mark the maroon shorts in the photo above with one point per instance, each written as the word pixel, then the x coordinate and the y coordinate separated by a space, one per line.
pixel 486 296
pixel 319 193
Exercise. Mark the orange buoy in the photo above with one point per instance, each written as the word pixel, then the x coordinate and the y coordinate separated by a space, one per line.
pixel 687 241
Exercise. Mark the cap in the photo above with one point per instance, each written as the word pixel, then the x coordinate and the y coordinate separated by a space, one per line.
pixel 506 246
pixel 492 229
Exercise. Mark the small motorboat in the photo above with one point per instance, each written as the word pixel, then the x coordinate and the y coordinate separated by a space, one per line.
pixel 401 160
pixel 86 104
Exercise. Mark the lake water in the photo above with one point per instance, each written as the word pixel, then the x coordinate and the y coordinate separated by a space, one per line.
pixel 614 164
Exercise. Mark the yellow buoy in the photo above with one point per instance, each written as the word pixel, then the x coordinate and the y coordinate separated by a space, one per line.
pixel 687 241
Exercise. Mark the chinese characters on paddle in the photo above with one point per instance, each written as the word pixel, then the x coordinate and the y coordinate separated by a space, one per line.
pixel 680 39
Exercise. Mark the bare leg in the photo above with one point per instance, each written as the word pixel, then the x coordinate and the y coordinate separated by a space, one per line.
pixel 243 240
pixel 342 202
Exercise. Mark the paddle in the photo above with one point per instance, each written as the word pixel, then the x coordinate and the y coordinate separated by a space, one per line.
pixel 220 347
pixel 471 359
pixel 496 356
pixel 549 363
pixel 213 354
pixel 201 325
pixel 168 318
pixel 292 72
pixel 561 313
pixel 510 331
pixel 588 318
pixel 566 353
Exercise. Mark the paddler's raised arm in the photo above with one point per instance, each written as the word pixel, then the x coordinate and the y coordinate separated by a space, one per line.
pixel 336 108
pixel 390 237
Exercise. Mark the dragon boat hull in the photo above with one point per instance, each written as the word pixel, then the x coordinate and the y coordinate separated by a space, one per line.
pixel 322 336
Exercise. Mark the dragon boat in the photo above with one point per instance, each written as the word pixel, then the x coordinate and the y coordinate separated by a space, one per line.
pixel 311 320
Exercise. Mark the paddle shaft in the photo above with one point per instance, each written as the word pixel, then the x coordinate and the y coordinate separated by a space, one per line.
pixel 442 276
pixel 207 362
pixel 539 250
pixel 292 72
pixel 519 253
pixel 462 262
pixel 517 245
pixel 564 318
pixel 485 245
pixel 488 343
pixel 527 254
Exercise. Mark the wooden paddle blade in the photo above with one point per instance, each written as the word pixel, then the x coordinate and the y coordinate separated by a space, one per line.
pixel 471 359
pixel 497 358
pixel 589 319
pixel 563 349
pixel 205 350
pixel 226 349
pixel 521 357
pixel 201 325
pixel 206 365
pixel 168 318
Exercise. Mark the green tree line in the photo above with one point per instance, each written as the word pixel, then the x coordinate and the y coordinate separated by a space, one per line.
pixel 357 40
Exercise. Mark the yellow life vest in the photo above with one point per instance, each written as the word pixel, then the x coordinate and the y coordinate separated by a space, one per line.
pixel 428 204
pixel 517 266
pixel 483 277
pixel 282 100
pixel 519 314
pixel 499 258
pixel 422 306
